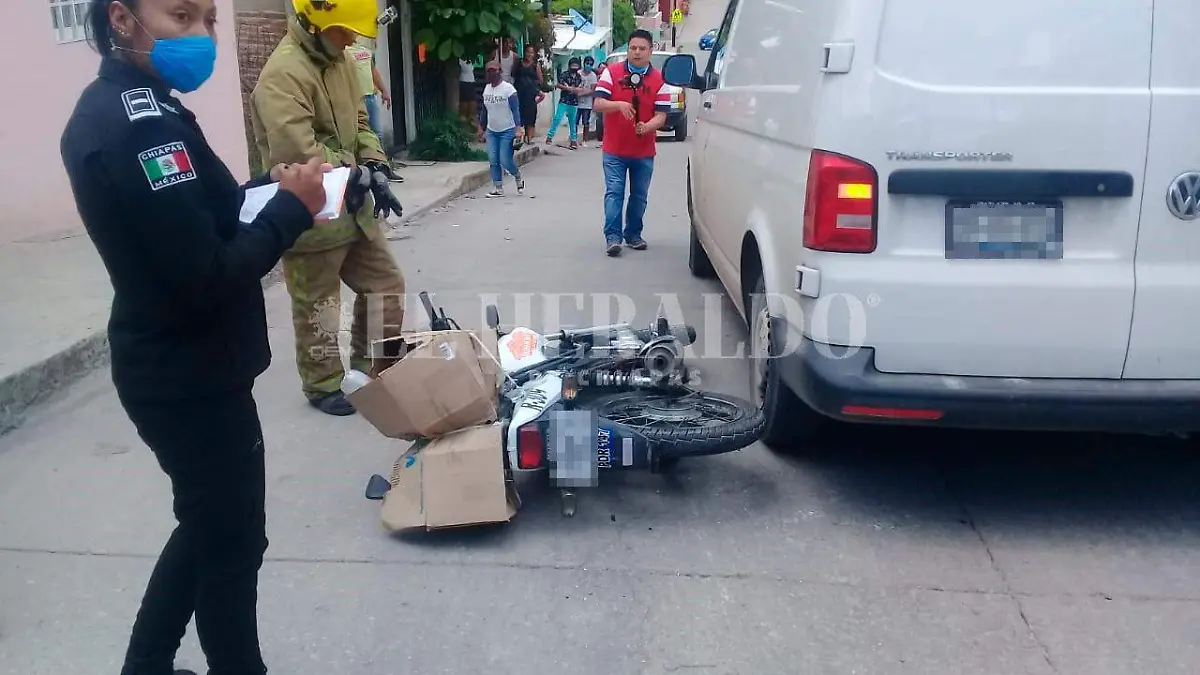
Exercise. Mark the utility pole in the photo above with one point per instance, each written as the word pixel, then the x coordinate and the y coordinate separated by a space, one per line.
pixel 673 24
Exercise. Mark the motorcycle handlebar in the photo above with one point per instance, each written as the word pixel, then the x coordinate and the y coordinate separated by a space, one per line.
pixel 685 333
pixel 425 301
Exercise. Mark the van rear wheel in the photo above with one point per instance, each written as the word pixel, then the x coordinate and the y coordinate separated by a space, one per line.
pixel 790 426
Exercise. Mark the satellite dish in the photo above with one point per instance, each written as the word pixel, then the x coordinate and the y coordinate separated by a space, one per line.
pixel 580 22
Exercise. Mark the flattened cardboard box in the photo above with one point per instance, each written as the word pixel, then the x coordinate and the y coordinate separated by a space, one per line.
pixel 443 381
pixel 450 481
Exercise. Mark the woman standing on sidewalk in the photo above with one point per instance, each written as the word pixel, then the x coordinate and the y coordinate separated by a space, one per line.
pixel 188 330
pixel 502 118
pixel 527 76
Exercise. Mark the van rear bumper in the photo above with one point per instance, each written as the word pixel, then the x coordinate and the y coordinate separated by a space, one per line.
pixel 828 385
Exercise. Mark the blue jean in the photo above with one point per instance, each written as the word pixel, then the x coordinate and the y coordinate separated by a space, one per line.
pixel 500 154
pixel 372 103
pixel 568 111
pixel 639 170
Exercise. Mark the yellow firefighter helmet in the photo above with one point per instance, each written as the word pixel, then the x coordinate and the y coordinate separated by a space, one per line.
pixel 358 16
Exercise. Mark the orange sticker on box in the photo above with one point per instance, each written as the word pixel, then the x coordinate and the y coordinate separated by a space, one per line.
pixel 522 344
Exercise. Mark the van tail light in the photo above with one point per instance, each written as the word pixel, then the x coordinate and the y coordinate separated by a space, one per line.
pixel 840 204
pixel 530 448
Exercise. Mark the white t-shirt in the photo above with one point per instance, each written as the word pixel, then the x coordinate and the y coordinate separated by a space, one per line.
pixel 589 80
pixel 499 110
pixel 506 65
pixel 466 71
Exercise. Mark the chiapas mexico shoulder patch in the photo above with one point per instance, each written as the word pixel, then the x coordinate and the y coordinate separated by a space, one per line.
pixel 167 165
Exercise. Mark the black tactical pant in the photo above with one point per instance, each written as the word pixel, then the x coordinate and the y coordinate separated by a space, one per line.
pixel 212 450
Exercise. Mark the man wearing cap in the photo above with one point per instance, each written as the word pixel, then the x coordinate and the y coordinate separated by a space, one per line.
pixel 308 103
pixel 502 119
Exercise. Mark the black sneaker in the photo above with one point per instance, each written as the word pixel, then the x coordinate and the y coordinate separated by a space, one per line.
pixel 614 249
pixel 333 404
pixel 638 244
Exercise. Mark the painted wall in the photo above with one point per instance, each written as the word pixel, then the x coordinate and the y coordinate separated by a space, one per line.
pixel 35 197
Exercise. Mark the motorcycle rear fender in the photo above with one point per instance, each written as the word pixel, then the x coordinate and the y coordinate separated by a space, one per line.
pixel 532 402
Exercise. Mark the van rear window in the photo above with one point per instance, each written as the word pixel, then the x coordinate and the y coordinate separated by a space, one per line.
pixel 1017 43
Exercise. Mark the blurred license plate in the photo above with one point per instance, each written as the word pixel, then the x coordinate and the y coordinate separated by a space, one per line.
pixel 571 448
pixel 1004 230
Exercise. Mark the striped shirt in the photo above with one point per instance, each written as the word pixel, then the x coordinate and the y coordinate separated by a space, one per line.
pixel 651 96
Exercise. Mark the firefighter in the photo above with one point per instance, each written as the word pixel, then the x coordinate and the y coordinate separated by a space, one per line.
pixel 307 104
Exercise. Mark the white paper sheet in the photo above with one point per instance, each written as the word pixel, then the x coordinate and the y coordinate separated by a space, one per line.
pixel 335 192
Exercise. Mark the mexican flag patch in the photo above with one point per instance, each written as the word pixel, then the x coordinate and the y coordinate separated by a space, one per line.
pixel 167 165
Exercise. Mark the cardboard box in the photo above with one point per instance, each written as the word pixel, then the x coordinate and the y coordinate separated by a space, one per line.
pixel 443 381
pixel 450 481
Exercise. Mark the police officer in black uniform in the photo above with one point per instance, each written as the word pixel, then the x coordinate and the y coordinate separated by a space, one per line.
pixel 188 330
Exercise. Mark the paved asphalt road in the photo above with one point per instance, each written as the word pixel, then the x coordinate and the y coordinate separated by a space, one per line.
pixel 888 552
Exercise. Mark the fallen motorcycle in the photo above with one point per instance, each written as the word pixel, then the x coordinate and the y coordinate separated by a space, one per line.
pixel 581 402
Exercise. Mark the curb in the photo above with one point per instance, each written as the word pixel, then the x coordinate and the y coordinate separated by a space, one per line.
pixel 24 389
pixel 468 183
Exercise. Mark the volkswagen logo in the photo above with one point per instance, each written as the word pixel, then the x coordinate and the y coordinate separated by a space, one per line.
pixel 1183 197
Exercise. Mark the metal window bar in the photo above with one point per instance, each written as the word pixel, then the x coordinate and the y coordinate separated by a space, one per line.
pixel 429 88
pixel 69 20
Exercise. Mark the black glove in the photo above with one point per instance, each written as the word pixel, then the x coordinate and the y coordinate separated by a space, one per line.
pixel 385 168
pixel 356 189
pixel 385 201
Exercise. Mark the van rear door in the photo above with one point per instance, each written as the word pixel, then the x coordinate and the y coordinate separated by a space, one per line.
pixel 996 127
pixel 1165 340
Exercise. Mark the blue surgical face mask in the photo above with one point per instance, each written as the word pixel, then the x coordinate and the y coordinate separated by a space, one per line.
pixel 184 63
pixel 635 69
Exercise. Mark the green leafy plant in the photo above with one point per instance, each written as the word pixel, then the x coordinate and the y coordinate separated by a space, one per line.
pixel 541 31
pixel 454 29
pixel 447 138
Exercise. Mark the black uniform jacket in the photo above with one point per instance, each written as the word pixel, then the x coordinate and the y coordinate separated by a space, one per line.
pixel 188 318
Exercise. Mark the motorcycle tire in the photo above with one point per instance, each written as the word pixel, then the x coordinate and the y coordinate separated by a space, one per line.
pixel 741 425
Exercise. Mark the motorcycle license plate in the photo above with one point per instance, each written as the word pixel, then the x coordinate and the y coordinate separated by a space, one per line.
pixel 572 448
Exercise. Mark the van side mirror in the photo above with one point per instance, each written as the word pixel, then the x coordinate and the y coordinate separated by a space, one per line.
pixel 680 71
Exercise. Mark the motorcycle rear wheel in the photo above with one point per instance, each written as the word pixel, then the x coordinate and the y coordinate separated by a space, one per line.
pixel 684 423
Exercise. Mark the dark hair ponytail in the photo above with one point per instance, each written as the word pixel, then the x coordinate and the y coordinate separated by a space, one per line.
pixel 99 30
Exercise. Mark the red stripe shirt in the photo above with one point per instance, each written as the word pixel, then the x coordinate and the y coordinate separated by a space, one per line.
pixel 653 96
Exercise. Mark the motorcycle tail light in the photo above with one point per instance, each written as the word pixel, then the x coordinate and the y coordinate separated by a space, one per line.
pixel 530 447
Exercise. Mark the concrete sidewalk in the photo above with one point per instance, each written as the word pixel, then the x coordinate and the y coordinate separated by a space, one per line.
pixel 53 317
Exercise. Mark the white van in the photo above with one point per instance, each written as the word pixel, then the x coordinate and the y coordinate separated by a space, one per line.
pixel 959 213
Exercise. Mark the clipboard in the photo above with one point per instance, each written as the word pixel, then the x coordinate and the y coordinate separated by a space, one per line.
pixel 335 194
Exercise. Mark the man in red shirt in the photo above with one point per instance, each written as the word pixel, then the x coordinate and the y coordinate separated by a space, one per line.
pixel 633 100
